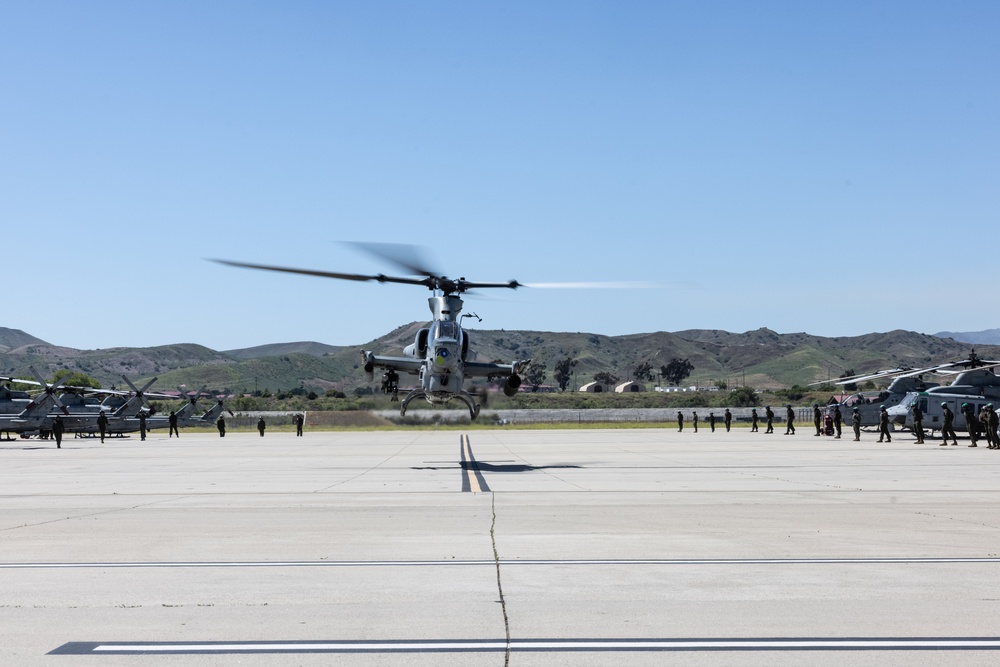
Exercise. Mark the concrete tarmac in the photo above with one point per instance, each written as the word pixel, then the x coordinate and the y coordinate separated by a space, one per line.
pixel 546 547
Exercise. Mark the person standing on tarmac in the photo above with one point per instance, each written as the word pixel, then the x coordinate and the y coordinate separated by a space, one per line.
pixel 142 425
pixel 769 414
pixel 753 420
pixel 694 421
pixel 727 417
pixel 817 419
pixel 918 423
pixel 261 425
pixel 984 419
pixel 838 420
pixel 971 422
pixel 102 424
pixel 948 427
pixel 883 424
pixel 993 425
pixel 680 421
pixel 299 421
pixel 58 428
pixel 172 421
pixel 856 425
pixel 789 420
pixel 711 421
pixel 221 424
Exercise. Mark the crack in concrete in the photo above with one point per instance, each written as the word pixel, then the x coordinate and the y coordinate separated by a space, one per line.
pixel 503 601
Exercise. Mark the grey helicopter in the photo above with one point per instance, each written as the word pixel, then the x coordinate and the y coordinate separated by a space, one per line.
pixel 869 403
pixel 440 355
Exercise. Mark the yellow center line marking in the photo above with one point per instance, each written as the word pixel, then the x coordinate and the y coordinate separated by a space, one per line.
pixel 469 469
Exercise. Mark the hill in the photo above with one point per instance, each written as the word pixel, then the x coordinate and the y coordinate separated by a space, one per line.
pixel 762 359
pixel 11 339
pixel 986 337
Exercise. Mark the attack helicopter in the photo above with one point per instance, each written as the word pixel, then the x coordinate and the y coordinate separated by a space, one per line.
pixel 440 355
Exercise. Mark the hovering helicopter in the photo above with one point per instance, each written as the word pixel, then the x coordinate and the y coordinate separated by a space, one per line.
pixel 440 354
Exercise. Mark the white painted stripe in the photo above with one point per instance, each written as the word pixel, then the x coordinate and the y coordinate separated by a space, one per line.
pixel 492 563
pixel 833 644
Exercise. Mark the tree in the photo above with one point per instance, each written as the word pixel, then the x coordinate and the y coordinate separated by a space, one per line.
pixel 535 375
pixel 850 386
pixel 606 378
pixel 563 372
pixel 675 371
pixel 75 379
pixel 643 371
pixel 743 397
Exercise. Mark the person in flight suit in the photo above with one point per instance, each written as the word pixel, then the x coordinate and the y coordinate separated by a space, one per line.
pixel 971 422
pixel 789 420
pixel 838 420
pixel 172 421
pixel 817 419
pixel 856 425
pixel 883 424
pixel 58 428
pixel 918 423
pixel 993 425
pixel 680 421
pixel 769 414
pixel 102 424
pixel 753 420
pixel 948 426
pixel 727 417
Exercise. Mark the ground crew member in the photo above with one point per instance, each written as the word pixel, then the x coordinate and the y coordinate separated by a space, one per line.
pixel 221 424
pixel 769 414
pixel 838 420
pixel 948 426
pixel 817 419
pixel 856 425
pixel 789 420
pixel 57 430
pixel 680 421
pixel 261 425
pixel 172 421
pixel 883 424
pixel 984 419
pixel 711 421
pixel 993 425
pixel 102 424
pixel 142 425
pixel 728 418
pixel 971 422
pixel 694 420
pixel 918 423
pixel 753 421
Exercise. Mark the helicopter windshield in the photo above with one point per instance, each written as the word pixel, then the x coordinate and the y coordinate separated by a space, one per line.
pixel 447 330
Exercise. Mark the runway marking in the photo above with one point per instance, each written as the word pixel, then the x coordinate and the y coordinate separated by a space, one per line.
pixel 472 479
pixel 512 562
pixel 538 645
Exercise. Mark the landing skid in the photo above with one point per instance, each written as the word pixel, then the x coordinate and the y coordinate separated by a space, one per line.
pixel 462 396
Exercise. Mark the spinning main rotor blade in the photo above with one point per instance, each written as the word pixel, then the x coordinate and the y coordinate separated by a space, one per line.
pixel 327 274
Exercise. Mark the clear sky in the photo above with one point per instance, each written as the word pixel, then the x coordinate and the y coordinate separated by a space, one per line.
pixel 828 167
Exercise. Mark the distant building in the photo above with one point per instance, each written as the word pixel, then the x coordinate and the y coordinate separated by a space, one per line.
pixel 593 388
pixel 629 387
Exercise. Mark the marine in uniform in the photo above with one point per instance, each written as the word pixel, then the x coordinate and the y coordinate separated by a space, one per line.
pixel 838 420
pixel 971 422
pixel 727 417
pixel 817 419
pixel 883 424
pixel 948 426
pixel 753 421
pixel 918 423
pixel 856 425
pixel 769 413
pixel 680 421
pixel 789 420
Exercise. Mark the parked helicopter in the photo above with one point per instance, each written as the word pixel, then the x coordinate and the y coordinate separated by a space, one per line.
pixel 977 386
pixel 905 381
pixel 440 354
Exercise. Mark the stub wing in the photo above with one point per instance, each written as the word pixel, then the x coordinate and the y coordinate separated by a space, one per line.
pixel 398 364
pixel 485 369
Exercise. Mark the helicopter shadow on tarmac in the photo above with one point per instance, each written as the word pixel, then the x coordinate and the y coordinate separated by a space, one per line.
pixel 502 466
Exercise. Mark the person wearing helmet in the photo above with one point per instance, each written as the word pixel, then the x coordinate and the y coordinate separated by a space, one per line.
pixel 856 425
pixel 971 423
pixel 769 414
pixel 993 425
pixel 948 426
pixel 918 422
pixel 789 420
pixel 817 419
pixel 753 421
pixel 838 420
pixel 883 424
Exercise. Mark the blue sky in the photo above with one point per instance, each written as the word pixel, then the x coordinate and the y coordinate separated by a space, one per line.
pixel 828 167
